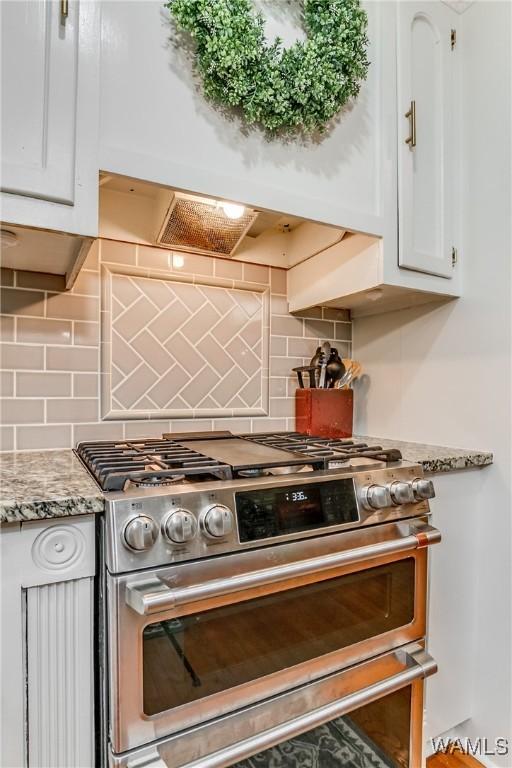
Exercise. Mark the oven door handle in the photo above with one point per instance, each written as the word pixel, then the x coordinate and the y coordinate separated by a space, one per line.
pixel 417 665
pixel 155 596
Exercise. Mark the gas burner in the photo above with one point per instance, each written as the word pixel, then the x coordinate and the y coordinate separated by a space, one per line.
pixel 152 481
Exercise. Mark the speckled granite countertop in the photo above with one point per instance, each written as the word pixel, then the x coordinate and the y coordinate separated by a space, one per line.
pixel 37 485
pixel 434 458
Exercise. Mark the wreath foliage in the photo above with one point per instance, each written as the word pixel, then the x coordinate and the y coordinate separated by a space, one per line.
pixel 301 87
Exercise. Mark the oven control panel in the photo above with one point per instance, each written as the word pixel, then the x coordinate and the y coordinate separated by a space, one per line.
pixel 189 522
pixel 272 512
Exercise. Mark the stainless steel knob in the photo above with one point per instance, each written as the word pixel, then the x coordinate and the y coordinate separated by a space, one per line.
pixel 423 489
pixel 180 526
pixel 140 533
pixel 376 497
pixel 401 493
pixel 217 521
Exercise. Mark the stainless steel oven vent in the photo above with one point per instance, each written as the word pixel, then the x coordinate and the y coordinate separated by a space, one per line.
pixel 202 227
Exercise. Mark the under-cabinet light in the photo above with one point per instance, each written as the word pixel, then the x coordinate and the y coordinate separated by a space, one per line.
pixel 233 211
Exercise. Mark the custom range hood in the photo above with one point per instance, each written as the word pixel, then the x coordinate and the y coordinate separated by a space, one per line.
pixel 326 265
pixel 152 215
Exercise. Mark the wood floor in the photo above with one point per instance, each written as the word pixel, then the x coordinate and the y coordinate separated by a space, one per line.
pixel 456 760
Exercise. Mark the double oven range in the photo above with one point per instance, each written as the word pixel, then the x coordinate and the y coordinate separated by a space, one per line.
pixel 256 588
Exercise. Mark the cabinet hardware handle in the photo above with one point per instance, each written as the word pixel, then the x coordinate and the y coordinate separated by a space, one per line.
pixel 64 10
pixel 411 115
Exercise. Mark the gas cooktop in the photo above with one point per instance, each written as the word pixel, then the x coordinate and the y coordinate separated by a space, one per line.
pixel 197 457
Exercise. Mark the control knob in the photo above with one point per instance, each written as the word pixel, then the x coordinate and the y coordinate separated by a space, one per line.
pixel 180 526
pixel 140 533
pixel 401 492
pixel 217 521
pixel 423 489
pixel 376 497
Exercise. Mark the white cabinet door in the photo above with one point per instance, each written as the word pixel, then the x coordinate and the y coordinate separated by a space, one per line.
pixel 426 80
pixel 47 570
pixel 39 86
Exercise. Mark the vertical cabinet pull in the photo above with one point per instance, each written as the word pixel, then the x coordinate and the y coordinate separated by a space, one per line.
pixel 411 115
pixel 64 10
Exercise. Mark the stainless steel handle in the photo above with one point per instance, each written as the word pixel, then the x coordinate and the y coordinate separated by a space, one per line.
pixel 411 115
pixel 417 665
pixel 155 596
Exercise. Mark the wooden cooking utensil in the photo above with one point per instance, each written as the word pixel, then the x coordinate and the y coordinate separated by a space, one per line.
pixel 355 371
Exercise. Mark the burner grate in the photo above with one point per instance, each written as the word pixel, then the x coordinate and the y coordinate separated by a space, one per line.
pixel 331 450
pixel 113 464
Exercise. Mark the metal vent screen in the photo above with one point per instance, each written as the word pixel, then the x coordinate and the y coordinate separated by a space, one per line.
pixel 196 226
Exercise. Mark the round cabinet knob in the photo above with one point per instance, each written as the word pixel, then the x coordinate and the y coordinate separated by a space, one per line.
pixel 217 521
pixel 140 533
pixel 180 526
pixel 401 493
pixel 376 497
pixel 423 489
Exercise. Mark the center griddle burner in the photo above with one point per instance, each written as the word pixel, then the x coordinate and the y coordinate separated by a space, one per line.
pixel 254 473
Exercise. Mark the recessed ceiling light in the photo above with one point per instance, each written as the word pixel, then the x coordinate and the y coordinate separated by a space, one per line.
pixel 8 239
pixel 233 211
pixel 178 261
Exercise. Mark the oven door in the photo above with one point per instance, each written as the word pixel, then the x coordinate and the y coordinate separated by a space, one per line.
pixel 370 714
pixel 199 640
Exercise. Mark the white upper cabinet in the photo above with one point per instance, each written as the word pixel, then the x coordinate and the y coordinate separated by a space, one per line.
pixel 49 104
pixel 39 80
pixel 426 136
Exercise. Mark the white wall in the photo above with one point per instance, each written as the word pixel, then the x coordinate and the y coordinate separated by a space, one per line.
pixel 441 374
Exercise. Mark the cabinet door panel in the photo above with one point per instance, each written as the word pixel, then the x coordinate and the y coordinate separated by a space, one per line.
pixel 426 65
pixel 39 83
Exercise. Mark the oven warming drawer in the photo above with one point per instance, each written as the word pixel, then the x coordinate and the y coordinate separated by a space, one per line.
pixel 221 743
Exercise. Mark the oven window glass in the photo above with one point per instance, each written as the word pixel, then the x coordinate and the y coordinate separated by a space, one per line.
pixel 374 736
pixel 188 658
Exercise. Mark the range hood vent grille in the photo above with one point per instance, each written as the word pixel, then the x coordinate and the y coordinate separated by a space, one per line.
pixel 202 227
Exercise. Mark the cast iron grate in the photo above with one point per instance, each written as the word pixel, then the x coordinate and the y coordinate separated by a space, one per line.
pixel 331 450
pixel 145 462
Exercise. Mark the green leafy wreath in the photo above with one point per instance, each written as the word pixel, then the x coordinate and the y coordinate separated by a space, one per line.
pixel 297 88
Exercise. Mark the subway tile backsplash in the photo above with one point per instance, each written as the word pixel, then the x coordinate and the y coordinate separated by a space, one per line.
pixel 50 352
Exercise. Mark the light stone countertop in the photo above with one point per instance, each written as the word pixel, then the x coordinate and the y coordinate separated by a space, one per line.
pixel 35 485
pixel 433 458
pixel 45 484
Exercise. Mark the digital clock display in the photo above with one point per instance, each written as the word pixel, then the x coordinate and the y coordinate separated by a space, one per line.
pixel 296 496
pixel 270 512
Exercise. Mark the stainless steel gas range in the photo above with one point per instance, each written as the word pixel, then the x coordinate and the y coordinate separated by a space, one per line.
pixel 256 588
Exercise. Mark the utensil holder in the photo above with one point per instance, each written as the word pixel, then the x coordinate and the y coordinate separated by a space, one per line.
pixel 324 412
